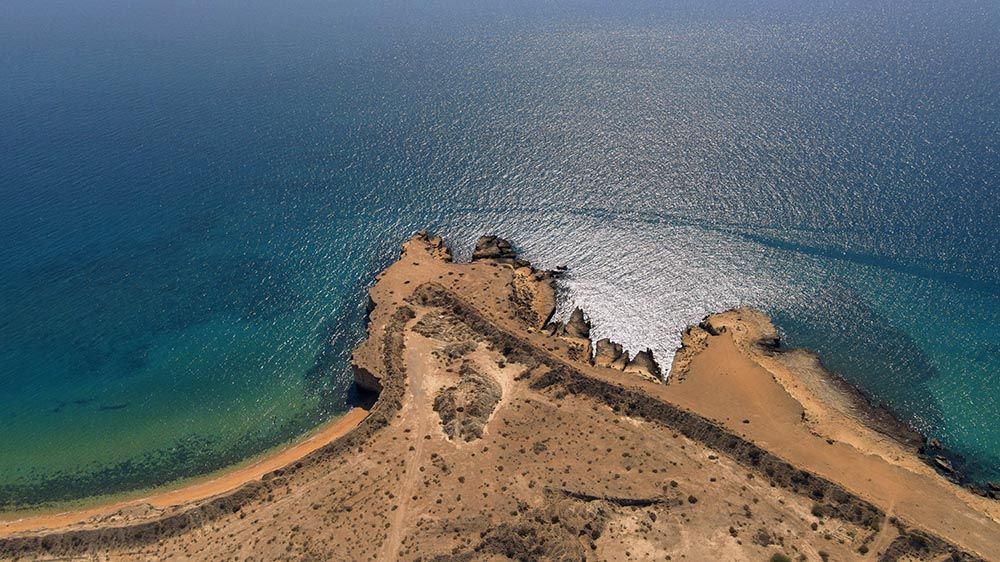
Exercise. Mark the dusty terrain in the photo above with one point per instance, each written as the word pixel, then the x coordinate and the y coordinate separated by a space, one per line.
pixel 496 436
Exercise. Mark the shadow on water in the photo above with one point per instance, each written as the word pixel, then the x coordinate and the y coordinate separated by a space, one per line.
pixel 873 260
pixel 749 232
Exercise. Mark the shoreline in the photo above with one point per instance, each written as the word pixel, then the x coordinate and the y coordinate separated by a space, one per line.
pixel 831 391
pixel 480 395
pixel 831 406
pixel 868 411
pixel 169 497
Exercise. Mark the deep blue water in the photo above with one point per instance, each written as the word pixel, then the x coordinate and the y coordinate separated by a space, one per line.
pixel 193 199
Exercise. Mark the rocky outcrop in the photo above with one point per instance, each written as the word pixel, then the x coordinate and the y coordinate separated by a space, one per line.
pixel 366 380
pixel 944 464
pixel 497 249
pixel 524 294
pixel 611 355
pixel 577 326
pixel 622 361
pixel 912 544
pixel 644 365
pixel 465 407
pixel 707 325
pixel 435 244
pixel 694 339
pixel 607 352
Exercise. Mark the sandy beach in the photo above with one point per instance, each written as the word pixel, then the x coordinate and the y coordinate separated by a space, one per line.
pixel 200 489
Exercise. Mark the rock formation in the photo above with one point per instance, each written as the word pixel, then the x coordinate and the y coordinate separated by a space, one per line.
pixel 644 365
pixel 607 352
pixel 496 249
pixel 577 326
pixel 621 362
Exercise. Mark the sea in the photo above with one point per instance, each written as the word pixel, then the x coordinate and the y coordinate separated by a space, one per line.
pixel 195 196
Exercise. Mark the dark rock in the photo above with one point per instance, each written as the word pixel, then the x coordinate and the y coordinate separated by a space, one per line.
pixel 552 328
pixel 944 464
pixel 993 486
pixel 496 249
pixel 976 490
pixel 768 344
pixel 707 325
pixel 542 275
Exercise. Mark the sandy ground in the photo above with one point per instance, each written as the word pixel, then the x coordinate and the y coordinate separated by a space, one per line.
pixel 759 397
pixel 492 440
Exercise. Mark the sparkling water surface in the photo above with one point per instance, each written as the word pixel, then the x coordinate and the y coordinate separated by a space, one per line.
pixel 193 200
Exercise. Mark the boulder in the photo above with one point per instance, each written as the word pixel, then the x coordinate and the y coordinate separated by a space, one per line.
pixel 607 352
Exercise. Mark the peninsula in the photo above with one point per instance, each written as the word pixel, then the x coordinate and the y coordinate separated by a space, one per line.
pixel 497 433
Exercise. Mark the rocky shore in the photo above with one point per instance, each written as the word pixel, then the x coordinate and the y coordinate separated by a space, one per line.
pixel 499 433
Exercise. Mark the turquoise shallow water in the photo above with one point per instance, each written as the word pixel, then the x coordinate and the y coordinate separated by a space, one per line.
pixel 194 199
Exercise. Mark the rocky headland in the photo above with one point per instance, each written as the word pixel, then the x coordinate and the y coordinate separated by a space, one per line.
pixel 499 433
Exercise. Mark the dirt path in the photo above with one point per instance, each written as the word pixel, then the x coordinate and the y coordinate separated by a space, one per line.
pixel 414 412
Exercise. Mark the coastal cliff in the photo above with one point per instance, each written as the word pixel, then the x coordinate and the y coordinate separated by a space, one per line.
pixel 499 433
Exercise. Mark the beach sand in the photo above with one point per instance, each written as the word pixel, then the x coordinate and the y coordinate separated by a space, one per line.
pixel 202 488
